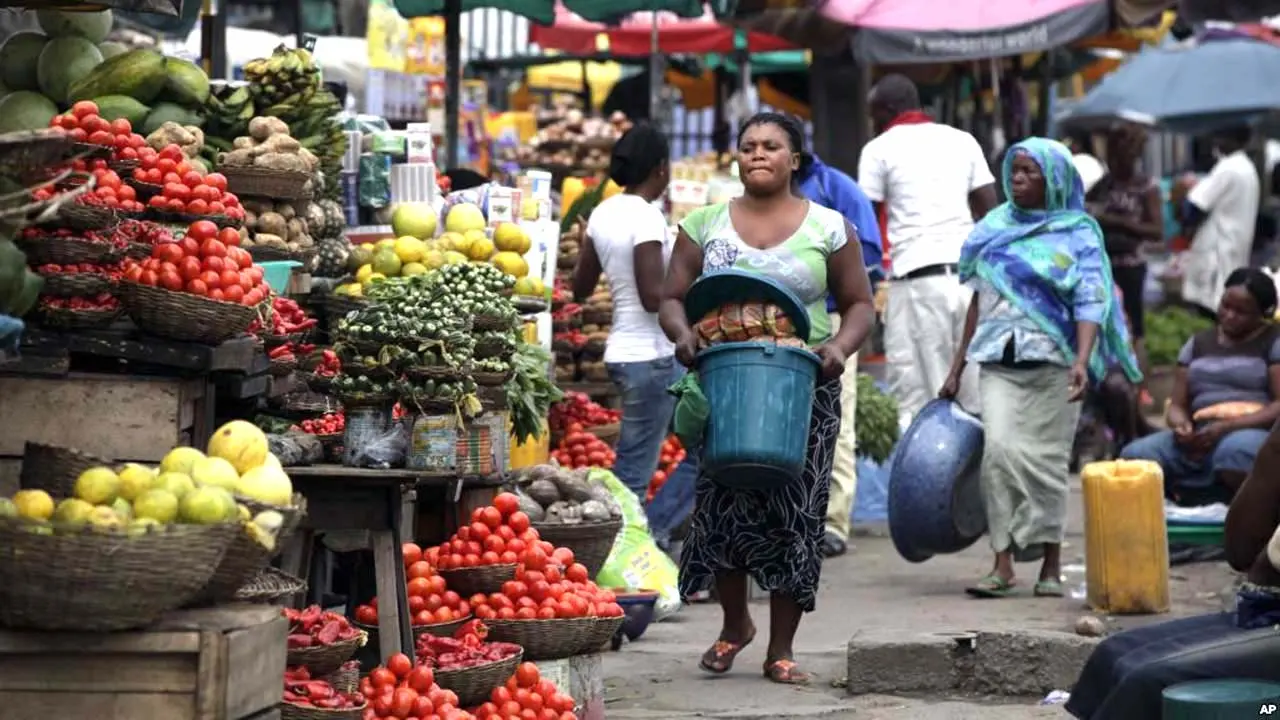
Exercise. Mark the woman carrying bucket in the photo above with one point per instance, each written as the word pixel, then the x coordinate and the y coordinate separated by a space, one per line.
pixel 1043 321
pixel 772 536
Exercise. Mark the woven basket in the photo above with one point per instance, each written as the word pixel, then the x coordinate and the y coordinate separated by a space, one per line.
pixel 137 251
pixel 345 679
pixel 265 182
pixel 485 579
pixel 85 217
pixel 183 316
pixel 184 219
pixel 546 639
pixel 271 585
pixel 602 634
pixel 608 433
pixel 437 629
pixel 91 582
pixel 298 712
pixel 87 151
pixel 591 543
pixel 492 348
pixel 245 557
pixel 529 305
pixel 263 253
pixel 324 659
pixel 124 167
pixel 473 685
pixel 434 373
pixel 474 451
pixel 351 400
pixel 145 190
pixel 491 379
pixel 22 151
pixel 274 341
pixel 69 319
pixel 61 250
pixel 54 469
pixel 492 322
pixel 281 368
pixel 336 307
pixel 319 383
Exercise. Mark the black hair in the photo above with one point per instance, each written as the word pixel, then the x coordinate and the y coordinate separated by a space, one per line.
pixel 1258 284
pixel 638 154
pixel 896 92
pixel 790 125
pixel 1238 134
pixel 464 179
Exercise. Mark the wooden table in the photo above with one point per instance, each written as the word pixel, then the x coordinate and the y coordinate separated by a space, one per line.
pixel 344 498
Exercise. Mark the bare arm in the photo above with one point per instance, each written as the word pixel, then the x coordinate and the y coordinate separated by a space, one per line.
pixel 686 265
pixel 848 283
pixel 647 259
pixel 981 200
pixel 1179 415
pixel 587 274
pixel 1255 510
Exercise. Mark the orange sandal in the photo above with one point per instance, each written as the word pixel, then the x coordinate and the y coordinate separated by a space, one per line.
pixel 718 659
pixel 785 672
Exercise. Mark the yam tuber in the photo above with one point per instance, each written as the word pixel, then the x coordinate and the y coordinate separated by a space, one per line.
pixel 282 162
pixel 273 224
pixel 236 158
pixel 244 142
pixel 261 128
pixel 170 133
pixel 270 240
pixel 278 144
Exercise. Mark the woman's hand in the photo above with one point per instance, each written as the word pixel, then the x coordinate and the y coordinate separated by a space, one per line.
pixel 951 386
pixel 687 348
pixel 833 359
pixel 1207 437
pixel 1077 382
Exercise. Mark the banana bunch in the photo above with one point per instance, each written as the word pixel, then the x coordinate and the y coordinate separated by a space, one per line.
pixel 287 79
pixel 19 287
pixel 228 112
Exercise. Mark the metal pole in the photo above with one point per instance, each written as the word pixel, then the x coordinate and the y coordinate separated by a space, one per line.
pixel 452 79
pixel 656 79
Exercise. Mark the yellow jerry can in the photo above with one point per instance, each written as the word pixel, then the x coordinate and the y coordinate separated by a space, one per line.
pixel 1126 543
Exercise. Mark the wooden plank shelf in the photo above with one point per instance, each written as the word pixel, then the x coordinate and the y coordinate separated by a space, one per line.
pixel 240 355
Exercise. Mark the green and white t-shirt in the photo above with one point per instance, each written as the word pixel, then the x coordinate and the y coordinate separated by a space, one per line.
pixel 799 263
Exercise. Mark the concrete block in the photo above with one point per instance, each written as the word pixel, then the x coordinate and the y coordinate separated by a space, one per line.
pixel 1030 662
pixel 896 663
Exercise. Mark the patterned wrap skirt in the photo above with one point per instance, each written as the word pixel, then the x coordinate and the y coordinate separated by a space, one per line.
pixel 773 535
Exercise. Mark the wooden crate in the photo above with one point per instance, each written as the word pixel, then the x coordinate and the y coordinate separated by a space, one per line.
pixel 221 663
pixel 120 417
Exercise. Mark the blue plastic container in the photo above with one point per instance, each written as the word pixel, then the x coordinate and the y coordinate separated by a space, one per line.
pixel 277 272
pixel 738 286
pixel 935 497
pixel 761 401
pixel 1220 700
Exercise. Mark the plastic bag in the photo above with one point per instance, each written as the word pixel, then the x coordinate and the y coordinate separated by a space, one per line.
pixel 708 328
pixel 636 562
pixel 753 319
pixel 372 440
pixel 689 419
pixel 374 186
pixel 871 500
pixel 776 322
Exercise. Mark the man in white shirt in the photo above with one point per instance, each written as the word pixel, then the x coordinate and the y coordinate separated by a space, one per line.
pixel 933 181
pixel 1221 213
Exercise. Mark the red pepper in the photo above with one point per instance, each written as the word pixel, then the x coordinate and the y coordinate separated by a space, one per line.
pixel 279 351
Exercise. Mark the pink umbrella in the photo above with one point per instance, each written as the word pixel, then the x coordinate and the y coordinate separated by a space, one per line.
pixel 924 31
pixel 633 35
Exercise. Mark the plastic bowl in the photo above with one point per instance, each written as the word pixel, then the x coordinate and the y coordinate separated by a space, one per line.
pixel 639 607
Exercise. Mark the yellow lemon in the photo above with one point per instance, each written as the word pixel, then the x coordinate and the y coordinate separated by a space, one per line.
pixel 410 249
pixel 363 273
pixel 34 504
pixel 180 460
pixel 98 486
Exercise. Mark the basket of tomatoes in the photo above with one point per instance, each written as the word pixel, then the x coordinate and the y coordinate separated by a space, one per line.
pixel 202 288
pixel 433 607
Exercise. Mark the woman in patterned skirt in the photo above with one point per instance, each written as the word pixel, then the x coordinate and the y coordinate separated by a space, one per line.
pixel 771 536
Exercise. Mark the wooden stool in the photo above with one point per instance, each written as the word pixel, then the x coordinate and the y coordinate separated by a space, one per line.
pixel 1220 700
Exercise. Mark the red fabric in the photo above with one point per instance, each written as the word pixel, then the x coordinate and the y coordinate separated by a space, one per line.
pixel 572 34
pixel 910 117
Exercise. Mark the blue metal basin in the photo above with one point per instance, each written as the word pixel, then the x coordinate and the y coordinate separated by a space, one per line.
pixel 935 503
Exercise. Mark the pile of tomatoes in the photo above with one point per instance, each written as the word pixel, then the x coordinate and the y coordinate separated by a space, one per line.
pixel 581 409
pixel 328 424
pixel 112 271
pixel 207 262
pixel 498 534
pixel 431 602
pixel 403 689
pixel 84 124
pixel 527 694
pixel 580 449
pixel 561 589
pixel 672 455
pixel 184 189
pixel 101 301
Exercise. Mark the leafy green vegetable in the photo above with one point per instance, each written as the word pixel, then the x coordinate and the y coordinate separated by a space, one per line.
pixel 530 391
pixel 875 420
pixel 1168 330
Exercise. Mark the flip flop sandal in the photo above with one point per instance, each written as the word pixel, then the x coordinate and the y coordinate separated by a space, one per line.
pixel 833 546
pixel 1048 588
pixel 785 672
pixel 991 586
pixel 718 659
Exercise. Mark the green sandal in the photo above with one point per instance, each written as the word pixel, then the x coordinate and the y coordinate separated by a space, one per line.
pixel 1049 588
pixel 991 586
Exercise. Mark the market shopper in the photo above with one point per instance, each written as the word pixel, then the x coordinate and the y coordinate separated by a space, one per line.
pixel 1043 321
pixel 1128 207
pixel 773 537
pixel 630 242
pixel 1220 214
pixel 1127 672
pixel 831 188
pixel 1226 395
pixel 933 182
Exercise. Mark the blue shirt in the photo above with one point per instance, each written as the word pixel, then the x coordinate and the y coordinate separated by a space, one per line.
pixel 833 189
pixel 1001 322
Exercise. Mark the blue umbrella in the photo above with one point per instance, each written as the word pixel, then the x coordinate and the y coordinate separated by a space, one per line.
pixel 1192 88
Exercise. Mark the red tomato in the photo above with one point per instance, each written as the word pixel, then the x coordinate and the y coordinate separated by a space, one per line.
pixel 365 614
pixel 506 503
pixel 211 280
pixel 215 264
pixel 202 230
pixel 518 521
pixel 217 294
pixel 121 126
pixel 400 664
pixel 189 267
pixel 176 205
pixel 171 280
pixel 231 238
pixel 412 553
pixel 192 179
pixel 172 153
pixel 190 246
pixel 212 248
pixel 233 293
pixel 84 108
pixel 168 252
pixel 253 297
pixel 149 277
pixel 66 122
pixel 217 181
pixel 196 206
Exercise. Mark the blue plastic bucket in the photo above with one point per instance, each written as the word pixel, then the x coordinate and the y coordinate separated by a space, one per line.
pixel 277 272
pixel 761 400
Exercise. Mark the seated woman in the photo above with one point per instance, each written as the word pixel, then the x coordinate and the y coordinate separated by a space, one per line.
pixel 1226 393
pixel 1127 673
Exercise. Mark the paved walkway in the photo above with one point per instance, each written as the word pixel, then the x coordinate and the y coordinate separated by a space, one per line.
pixel 871 590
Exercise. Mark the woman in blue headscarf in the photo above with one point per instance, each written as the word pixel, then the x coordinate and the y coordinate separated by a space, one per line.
pixel 1044 321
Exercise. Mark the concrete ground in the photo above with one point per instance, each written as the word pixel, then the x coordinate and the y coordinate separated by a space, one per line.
pixel 873 594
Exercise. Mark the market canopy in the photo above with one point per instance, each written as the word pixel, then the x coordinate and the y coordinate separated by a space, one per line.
pixel 544 11
pixel 927 31
pixel 699 35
